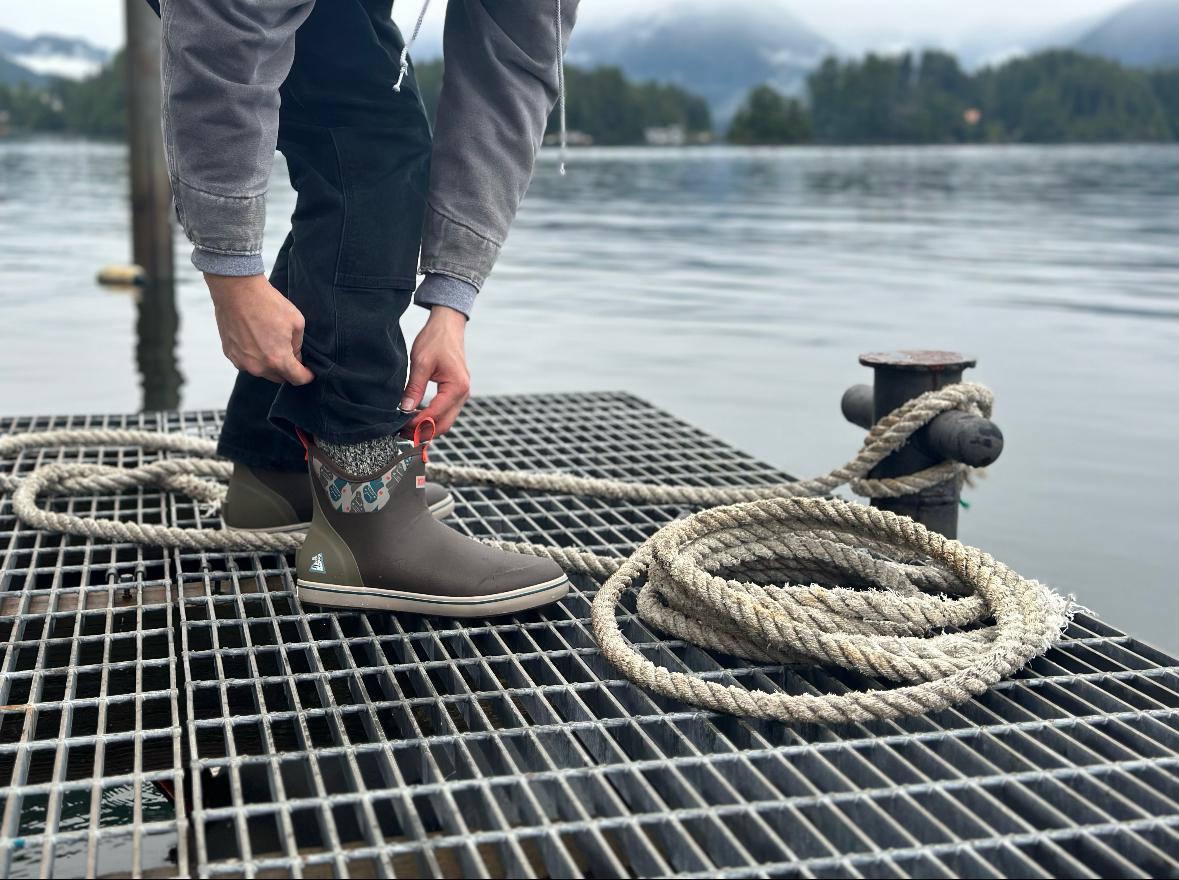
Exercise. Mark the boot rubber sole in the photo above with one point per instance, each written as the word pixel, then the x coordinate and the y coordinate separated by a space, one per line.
pixel 439 510
pixel 377 599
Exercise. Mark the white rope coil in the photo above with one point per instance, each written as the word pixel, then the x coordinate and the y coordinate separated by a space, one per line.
pixel 744 577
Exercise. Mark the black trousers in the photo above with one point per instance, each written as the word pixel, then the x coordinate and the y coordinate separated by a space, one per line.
pixel 358 156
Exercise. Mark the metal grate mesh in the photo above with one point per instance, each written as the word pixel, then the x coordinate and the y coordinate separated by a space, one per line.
pixel 347 744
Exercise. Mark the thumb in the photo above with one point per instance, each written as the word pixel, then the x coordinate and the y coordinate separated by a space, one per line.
pixel 415 388
pixel 295 373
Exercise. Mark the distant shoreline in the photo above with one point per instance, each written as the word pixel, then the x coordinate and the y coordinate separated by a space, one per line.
pixel 714 147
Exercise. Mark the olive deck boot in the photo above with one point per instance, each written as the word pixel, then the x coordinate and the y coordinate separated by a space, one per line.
pixel 373 545
pixel 278 501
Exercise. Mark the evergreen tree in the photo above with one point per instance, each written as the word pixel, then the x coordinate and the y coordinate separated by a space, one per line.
pixel 603 103
pixel 768 117
pixel 1051 97
pixel 1067 97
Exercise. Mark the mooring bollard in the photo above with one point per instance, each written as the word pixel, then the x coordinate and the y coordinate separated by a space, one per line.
pixel 957 436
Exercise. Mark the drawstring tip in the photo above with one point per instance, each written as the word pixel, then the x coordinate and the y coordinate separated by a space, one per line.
pixel 404 67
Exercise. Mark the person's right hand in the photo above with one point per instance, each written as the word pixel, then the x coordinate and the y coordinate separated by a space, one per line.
pixel 261 331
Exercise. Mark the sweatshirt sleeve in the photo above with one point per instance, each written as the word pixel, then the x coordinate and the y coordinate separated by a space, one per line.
pixel 222 64
pixel 499 85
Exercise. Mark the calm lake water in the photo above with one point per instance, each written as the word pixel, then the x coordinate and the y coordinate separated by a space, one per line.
pixel 736 288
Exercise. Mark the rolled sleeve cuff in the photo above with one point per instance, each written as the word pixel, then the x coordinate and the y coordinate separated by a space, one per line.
pixel 227 264
pixel 453 249
pixel 229 225
pixel 445 290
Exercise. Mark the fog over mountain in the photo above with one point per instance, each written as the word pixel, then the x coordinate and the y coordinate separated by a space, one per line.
pixel 718 51
pixel 1142 34
pixel 30 59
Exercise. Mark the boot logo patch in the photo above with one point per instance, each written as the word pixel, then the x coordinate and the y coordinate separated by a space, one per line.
pixel 317 563
pixel 364 496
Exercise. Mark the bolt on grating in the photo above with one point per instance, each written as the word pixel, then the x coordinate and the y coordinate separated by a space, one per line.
pixel 319 743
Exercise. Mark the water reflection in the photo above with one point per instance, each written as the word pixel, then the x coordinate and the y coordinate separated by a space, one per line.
pixel 157 325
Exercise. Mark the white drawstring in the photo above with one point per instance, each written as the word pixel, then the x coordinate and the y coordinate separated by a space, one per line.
pixel 564 138
pixel 405 51
pixel 561 87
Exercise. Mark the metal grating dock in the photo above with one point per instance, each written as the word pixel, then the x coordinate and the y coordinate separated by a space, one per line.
pixel 337 744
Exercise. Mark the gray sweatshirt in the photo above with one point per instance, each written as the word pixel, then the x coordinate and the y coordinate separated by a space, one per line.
pixel 224 60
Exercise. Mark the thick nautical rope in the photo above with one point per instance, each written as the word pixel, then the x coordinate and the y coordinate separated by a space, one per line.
pixel 944 619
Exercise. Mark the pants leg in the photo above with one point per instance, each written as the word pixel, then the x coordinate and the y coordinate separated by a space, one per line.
pixel 358 157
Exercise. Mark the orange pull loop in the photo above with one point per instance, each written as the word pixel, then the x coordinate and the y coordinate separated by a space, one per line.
pixel 423 441
pixel 306 441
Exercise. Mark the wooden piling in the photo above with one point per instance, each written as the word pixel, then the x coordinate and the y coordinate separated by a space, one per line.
pixel 151 193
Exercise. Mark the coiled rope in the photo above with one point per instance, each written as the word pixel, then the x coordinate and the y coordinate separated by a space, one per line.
pixel 943 619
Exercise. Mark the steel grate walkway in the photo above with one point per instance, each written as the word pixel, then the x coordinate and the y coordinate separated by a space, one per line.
pixel 336 744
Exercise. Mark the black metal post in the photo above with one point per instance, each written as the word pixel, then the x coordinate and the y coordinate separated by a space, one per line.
pixel 955 435
pixel 901 376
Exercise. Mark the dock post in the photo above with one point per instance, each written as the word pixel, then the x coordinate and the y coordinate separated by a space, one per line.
pixel 156 327
pixel 901 376
pixel 151 192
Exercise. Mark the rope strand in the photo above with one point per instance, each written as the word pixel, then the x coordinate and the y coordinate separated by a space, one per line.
pixel 944 620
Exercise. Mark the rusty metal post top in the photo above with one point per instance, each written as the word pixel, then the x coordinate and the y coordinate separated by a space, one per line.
pixel 918 361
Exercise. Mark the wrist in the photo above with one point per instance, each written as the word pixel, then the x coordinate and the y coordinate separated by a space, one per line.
pixel 447 317
pixel 233 286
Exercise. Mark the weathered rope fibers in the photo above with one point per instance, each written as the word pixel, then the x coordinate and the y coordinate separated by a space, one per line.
pixel 945 620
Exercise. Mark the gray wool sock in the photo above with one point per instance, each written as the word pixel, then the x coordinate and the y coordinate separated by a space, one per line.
pixel 364 457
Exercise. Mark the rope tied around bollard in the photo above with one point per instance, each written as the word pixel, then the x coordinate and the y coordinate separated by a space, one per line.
pixel 745 576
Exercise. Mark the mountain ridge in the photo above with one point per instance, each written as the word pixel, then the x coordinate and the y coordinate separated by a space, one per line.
pixel 1144 33
pixel 33 59
pixel 718 53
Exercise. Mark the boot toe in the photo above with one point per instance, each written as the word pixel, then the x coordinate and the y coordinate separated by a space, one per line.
pixel 522 572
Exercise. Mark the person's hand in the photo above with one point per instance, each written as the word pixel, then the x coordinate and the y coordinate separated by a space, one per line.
pixel 261 331
pixel 438 357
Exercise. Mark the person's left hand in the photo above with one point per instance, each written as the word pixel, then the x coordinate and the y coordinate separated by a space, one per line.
pixel 438 356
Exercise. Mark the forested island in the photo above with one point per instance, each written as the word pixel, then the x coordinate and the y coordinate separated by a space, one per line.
pixel 1051 97
pixel 928 98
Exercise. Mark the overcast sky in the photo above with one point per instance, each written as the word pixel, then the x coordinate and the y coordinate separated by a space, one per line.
pixel 854 24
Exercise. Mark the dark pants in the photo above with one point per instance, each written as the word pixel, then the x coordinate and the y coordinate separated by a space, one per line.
pixel 358 155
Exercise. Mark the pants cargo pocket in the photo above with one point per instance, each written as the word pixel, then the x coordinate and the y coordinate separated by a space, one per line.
pixel 384 173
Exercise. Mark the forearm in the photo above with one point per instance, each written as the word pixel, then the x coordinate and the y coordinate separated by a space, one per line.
pixel 222 65
pixel 499 85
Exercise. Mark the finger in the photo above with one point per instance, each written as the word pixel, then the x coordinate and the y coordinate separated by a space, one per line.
pixel 259 368
pixel 297 336
pixel 294 372
pixel 445 406
pixel 415 388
